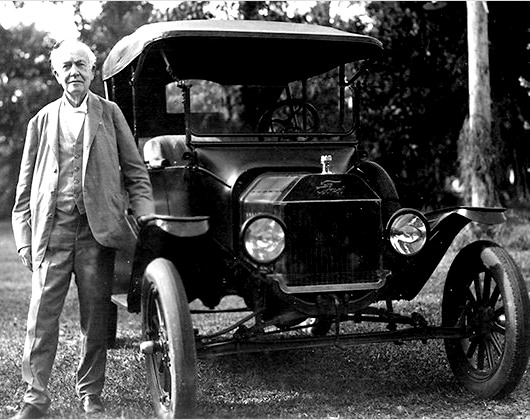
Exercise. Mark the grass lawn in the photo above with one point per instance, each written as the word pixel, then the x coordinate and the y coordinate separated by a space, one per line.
pixel 371 381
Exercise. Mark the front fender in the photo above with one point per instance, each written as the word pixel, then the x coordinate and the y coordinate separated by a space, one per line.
pixel 172 238
pixel 483 215
pixel 409 275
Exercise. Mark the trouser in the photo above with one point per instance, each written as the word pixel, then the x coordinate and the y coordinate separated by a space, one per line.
pixel 71 250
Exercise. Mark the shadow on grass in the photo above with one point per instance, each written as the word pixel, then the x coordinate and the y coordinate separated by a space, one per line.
pixel 324 382
pixel 125 343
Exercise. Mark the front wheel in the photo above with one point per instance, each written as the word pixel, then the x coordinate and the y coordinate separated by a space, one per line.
pixel 169 341
pixel 485 294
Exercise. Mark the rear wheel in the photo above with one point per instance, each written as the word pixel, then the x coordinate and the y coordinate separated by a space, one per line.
pixel 485 294
pixel 169 345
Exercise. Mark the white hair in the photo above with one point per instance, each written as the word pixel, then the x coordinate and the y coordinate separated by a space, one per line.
pixel 71 45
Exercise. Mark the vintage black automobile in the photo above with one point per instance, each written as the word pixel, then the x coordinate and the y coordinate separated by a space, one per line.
pixel 262 192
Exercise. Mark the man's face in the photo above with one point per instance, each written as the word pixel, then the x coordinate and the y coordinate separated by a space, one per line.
pixel 72 70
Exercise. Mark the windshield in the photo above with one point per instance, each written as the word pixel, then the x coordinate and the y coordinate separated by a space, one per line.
pixel 318 105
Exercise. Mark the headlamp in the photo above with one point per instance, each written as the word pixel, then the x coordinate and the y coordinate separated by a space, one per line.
pixel 408 231
pixel 263 238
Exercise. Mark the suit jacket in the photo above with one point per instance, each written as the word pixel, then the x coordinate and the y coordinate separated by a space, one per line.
pixel 111 161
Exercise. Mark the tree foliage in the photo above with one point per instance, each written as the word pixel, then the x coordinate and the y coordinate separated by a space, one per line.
pixel 413 103
pixel 416 102
pixel 116 20
pixel 509 64
pixel 25 85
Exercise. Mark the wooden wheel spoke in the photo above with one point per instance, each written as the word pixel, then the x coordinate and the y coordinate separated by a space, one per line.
pixel 489 354
pixel 470 297
pixel 499 311
pixel 472 347
pixel 487 287
pixel 496 343
pixel 481 354
pixel 161 323
pixel 478 289
pixel 498 328
pixel 494 296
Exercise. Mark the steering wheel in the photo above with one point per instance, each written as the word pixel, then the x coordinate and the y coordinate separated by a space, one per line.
pixel 289 116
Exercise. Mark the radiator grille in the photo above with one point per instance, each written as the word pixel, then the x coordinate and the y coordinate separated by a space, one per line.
pixel 332 243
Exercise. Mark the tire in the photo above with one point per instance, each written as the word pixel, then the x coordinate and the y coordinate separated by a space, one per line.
pixel 486 294
pixel 172 363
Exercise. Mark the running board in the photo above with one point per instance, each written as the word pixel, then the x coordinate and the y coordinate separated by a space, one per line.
pixel 208 350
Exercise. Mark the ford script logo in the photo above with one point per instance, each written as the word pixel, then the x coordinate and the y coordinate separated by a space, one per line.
pixel 330 188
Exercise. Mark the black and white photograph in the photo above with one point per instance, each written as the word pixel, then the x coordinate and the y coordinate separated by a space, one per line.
pixel 264 209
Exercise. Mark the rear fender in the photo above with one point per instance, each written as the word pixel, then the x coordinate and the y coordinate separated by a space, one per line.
pixel 411 274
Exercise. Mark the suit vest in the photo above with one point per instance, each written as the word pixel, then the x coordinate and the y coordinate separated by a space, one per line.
pixel 70 184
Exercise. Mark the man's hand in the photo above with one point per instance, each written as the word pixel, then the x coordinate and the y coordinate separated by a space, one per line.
pixel 142 220
pixel 25 255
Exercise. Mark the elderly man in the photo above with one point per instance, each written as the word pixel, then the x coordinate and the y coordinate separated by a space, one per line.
pixel 68 219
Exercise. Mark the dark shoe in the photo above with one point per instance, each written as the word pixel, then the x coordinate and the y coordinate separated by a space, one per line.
pixel 92 404
pixel 29 411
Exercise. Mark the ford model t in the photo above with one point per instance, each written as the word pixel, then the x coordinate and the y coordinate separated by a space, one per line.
pixel 248 131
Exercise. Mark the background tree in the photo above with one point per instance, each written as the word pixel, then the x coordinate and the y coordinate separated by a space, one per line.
pixel 509 37
pixel 116 20
pixel 417 100
pixel 413 103
pixel 26 83
pixel 476 149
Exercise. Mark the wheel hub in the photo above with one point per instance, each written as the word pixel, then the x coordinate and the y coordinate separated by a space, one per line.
pixel 482 320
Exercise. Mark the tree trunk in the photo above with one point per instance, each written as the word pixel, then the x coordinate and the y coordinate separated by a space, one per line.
pixel 476 149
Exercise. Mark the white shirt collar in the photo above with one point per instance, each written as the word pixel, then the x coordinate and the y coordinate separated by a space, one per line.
pixel 83 107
